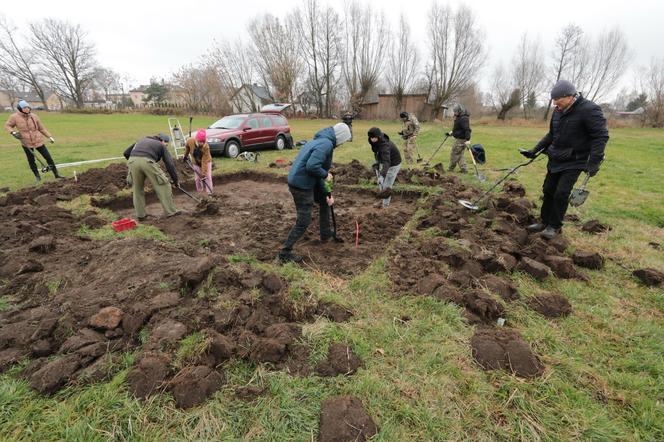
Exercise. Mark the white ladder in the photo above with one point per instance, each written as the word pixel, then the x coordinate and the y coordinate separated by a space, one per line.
pixel 178 138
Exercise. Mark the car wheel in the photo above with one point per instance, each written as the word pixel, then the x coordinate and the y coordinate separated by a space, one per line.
pixel 232 149
pixel 281 142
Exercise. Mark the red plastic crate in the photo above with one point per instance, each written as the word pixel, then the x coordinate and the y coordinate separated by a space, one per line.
pixel 123 224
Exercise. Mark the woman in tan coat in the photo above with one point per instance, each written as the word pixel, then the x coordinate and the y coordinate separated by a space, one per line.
pixel 28 128
pixel 202 164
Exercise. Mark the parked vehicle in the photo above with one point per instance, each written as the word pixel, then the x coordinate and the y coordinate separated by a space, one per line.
pixel 245 132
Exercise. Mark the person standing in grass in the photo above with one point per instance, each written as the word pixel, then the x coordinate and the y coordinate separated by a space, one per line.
pixel 307 183
pixel 387 164
pixel 202 164
pixel 411 128
pixel 575 143
pixel 461 133
pixel 142 158
pixel 25 126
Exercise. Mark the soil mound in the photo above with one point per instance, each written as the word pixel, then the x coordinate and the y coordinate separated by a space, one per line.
pixel 500 348
pixel 340 360
pixel 649 277
pixel 344 419
pixel 550 305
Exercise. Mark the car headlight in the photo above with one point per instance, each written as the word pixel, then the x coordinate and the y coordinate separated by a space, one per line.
pixel 215 140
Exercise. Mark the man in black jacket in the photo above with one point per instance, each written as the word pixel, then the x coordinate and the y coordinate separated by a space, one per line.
pixel 387 164
pixel 461 133
pixel 575 143
pixel 143 157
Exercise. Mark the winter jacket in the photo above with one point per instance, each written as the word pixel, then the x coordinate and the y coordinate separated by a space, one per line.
pixel 201 160
pixel 313 162
pixel 151 147
pixel 411 127
pixel 461 129
pixel 385 152
pixel 29 126
pixel 577 137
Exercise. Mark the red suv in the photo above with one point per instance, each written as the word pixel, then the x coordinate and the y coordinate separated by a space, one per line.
pixel 236 133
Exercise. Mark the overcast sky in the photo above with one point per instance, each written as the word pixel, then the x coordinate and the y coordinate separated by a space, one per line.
pixel 152 38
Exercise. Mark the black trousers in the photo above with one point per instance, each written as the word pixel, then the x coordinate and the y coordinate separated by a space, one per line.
pixel 29 153
pixel 557 188
pixel 304 202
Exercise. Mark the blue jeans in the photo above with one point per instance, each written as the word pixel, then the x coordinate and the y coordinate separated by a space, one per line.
pixel 388 181
pixel 304 202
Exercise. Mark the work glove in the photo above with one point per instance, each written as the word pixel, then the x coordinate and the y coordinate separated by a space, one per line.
pixel 592 169
pixel 528 153
pixel 375 166
pixel 400 133
pixel 51 139
pixel 467 143
pixel 449 134
pixel 17 135
pixel 330 200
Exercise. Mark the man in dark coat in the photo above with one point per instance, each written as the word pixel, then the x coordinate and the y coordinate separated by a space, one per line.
pixel 575 143
pixel 387 164
pixel 461 133
pixel 306 182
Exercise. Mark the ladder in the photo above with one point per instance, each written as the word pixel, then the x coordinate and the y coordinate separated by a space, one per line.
pixel 178 138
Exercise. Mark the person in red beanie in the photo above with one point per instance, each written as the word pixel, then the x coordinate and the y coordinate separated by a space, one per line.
pixel 202 160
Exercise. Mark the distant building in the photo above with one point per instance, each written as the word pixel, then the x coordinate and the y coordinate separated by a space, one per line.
pixel 9 98
pixel 250 98
pixel 383 107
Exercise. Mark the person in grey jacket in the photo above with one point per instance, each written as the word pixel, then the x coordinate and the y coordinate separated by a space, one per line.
pixel 574 144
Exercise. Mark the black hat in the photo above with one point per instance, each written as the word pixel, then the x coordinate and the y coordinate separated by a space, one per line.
pixel 403 115
pixel 562 88
pixel 374 132
pixel 163 137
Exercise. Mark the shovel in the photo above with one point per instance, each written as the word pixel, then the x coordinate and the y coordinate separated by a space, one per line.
pixel 580 195
pixel 191 166
pixel 188 194
pixel 479 176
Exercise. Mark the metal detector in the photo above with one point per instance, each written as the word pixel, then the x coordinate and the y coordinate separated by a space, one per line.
pixel 436 151
pixel 474 205
pixel 191 166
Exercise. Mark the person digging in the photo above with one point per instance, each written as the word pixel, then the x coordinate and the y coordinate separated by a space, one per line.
pixel 26 127
pixel 142 158
pixel 387 164
pixel 461 133
pixel 202 164
pixel 306 183
pixel 575 143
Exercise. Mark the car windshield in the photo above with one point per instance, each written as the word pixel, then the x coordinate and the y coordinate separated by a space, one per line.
pixel 230 122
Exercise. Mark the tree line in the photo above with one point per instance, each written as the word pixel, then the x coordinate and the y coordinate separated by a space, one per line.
pixel 318 57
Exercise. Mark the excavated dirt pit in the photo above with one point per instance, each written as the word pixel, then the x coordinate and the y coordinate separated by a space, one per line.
pixel 252 213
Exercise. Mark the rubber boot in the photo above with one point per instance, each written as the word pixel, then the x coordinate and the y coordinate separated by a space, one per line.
pixel 55 172
pixel 289 257
pixel 537 227
pixel 37 177
pixel 549 233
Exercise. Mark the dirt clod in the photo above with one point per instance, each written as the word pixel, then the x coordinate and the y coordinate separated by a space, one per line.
pixel 340 360
pixel 344 419
pixel 43 244
pixel 550 305
pixel 193 385
pixel 107 318
pixel 55 374
pixel 9 357
pixel 534 268
pixel 148 375
pixel 249 393
pixel 594 227
pixel 501 287
pixel 649 277
pixel 502 348
pixel 562 267
pixel 588 260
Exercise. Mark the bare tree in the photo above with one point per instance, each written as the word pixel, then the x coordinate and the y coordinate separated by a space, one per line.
pixel 11 87
pixel 607 64
pixel 402 63
pixel 367 38
pixel 19 63
pixel 203 88
pixel 66 57
pixel 276 54
pixel 106 80
pixel 505 95
pixel 653 86
pixel 528 73
pixel 456 53
pixel 320 44
pixel 235 69
pixel 567 45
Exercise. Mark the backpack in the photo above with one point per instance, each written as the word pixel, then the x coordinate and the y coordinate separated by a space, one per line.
pixel 478 152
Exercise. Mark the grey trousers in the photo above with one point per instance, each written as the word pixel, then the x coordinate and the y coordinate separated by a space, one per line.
pixel 388 181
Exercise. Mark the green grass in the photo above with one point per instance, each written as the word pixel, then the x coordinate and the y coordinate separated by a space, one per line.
pixel 604 376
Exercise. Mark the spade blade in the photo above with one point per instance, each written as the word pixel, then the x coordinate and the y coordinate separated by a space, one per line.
pixel 469 205
pixel 578 197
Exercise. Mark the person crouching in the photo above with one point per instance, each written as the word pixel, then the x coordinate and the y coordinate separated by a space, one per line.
pixel 387 164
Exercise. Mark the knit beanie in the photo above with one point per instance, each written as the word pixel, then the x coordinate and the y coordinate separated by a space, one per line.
pixel 562 88
pixel 341 133
pixel 200 136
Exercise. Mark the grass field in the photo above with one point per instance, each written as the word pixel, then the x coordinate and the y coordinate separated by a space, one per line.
pixel 604 376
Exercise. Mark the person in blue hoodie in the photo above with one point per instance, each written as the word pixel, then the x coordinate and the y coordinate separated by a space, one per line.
pixel 306 182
